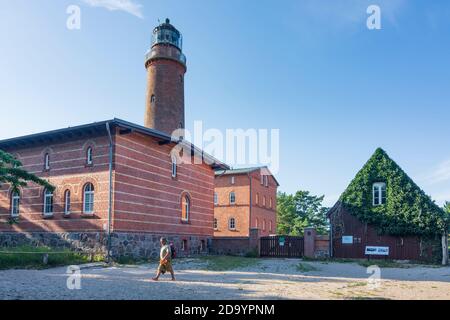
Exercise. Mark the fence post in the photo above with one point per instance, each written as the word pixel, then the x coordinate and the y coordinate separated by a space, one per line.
pixel 309 242
pixel 445 249
pixel 254 241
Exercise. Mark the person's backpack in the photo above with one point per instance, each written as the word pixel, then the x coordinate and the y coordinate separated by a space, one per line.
pixel 173 252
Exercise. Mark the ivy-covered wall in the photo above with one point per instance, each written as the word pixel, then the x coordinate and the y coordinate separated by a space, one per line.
pixel 408 210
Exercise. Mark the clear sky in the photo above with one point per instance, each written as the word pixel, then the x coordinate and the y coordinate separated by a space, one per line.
pixel 311 68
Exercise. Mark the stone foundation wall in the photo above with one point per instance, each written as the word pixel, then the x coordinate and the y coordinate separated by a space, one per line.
pixel 132 245
pixel 144 245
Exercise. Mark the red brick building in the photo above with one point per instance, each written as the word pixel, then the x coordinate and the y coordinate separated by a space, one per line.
pixel 118 184
pixel 245 199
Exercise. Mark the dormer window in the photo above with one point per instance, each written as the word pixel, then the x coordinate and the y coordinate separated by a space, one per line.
pixel 379 193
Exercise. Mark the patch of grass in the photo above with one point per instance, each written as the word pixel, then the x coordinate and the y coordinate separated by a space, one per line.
pixel 357 284
pixel 329 260
pixel 28 257
pixel 224 263
pixel 305 267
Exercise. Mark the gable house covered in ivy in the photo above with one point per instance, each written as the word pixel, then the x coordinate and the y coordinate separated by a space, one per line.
pixel 384 209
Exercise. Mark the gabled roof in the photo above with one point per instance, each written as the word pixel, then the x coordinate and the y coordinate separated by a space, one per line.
pixel 100 128
pixel 408 210
pixel 265 170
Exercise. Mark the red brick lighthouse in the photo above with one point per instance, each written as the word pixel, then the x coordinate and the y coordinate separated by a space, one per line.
pixel 166 66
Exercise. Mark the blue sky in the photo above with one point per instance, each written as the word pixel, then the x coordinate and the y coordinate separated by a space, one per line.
pixel 311 68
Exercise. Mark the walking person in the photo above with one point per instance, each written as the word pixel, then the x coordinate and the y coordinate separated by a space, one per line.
pixel 165 263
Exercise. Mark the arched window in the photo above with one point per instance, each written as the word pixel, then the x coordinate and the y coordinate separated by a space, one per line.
pixel 270 226
pixel 215 224
pixel 89 157
pixel 47 161
pixel 88 198
pixel 174 167
pixel 15 203
pixel 232 224
pixel 185 208
pixel 67 202
pixel 379 193
pixel 48 202
pixel 216 199
pixel 232 198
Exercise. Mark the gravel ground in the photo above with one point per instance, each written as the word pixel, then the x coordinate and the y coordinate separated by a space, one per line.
pixel 269 279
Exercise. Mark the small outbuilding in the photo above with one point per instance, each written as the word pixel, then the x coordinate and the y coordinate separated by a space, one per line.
pixel 384 214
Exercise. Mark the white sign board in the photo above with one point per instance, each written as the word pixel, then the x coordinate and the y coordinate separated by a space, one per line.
pixel 377 251
pixel 347 239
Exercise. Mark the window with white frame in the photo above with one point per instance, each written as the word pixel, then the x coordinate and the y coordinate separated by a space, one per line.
pixel 232 224
pixel 216 199
pixel 266 180
pixel 232 198
pixel 257 198
pixel 379 193
pixel 264 201
pixel 88 198
pixel 89 156
pixel 48 202
pixel 174 167
pixel 256 223
pixel 262 179
pixel 270 226
pixel 47 161
pixel 15 203
pixel 185 208
pixel 67 202
pixel 232 180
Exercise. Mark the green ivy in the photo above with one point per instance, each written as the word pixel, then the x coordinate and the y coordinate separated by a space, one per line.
pixel 408 210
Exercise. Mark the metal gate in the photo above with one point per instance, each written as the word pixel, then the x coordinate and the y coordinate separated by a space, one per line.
pixel 282 246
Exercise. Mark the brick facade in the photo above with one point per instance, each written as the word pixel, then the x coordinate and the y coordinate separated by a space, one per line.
pixel 68 171
pixel 249 210
pixel 146 199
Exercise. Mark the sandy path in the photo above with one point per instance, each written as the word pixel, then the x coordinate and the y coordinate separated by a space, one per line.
pixel 270 279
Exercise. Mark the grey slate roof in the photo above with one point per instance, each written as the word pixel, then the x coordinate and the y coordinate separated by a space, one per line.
pixel 244 171
pixel 100 128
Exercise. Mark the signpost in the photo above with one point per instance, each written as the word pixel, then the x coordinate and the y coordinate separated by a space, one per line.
pixel 281 241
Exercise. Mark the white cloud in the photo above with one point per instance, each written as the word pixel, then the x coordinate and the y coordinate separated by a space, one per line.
pixel 440 174
pixel 118 5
